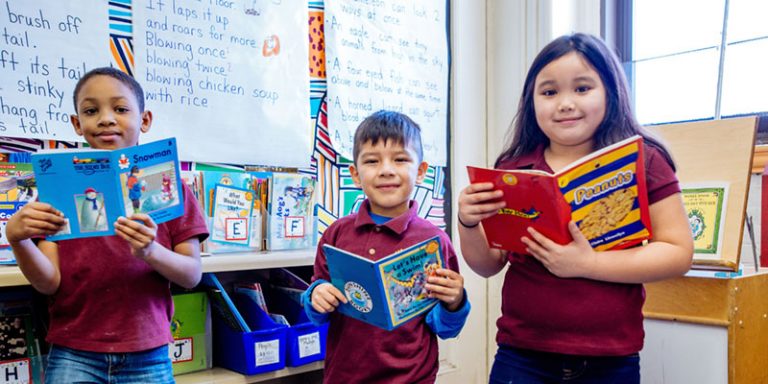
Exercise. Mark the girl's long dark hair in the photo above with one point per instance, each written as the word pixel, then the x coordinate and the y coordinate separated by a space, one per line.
pixel 619 122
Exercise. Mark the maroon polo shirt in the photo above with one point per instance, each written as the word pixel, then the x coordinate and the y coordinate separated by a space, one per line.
pixel 109 300
pixel 576 316
pixel 361 353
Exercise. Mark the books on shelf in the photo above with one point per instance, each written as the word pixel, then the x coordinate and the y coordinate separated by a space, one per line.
pixel 604 193
pixel 387 292
pixel 291 223
pixel 218 212
pixel 94 187
pixel 21 359
pixel 17 187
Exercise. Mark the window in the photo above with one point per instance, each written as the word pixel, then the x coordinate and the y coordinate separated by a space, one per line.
pixel 695 60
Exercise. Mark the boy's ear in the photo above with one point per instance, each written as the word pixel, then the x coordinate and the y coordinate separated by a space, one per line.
pixel 146 121
pixel 422 173
pixel 76 124
pixel 355 176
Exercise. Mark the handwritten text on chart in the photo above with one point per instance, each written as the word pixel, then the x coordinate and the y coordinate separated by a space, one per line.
pixel 36 85
pixel 387 54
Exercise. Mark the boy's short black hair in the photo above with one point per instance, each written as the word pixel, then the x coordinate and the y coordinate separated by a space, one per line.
pixel 388 125
pixel 117 74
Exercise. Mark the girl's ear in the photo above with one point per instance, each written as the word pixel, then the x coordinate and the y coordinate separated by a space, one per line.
pixel 355 176
pixel 76 124
pixel 146 121
pixel 422 172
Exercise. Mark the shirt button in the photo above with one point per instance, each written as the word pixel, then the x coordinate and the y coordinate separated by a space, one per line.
pixel 371 251
pixel 378 229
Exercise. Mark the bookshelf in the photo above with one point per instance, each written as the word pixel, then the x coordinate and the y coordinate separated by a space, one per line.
pixel 10 275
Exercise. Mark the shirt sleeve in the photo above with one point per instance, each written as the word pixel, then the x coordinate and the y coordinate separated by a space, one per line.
pixel 446 324
pixel 314 316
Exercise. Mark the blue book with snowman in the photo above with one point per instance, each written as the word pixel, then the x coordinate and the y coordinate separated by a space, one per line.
pixel 387 292
pixel 94 187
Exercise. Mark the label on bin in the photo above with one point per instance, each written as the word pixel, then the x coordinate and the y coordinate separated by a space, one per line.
pixel 267 352
pixel 16 371
pixel 309 344
pixel 181 350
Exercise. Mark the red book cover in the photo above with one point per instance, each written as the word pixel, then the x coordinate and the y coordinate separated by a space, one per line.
pixel 604 193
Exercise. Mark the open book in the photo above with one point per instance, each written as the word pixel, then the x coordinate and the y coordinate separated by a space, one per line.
pixel 604 193
pixel 387 292
pixel 94 187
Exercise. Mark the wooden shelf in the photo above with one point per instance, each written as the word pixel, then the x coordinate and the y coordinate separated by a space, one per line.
pixel 224 376
pixel 10 275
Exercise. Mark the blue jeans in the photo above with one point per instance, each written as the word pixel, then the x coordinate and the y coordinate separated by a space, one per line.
pixel 67 365
pixel 521 366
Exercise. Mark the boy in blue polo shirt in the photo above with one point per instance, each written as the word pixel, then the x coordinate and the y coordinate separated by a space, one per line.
pixel 387 166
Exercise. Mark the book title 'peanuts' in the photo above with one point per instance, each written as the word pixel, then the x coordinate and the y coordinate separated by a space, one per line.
pixel 592 191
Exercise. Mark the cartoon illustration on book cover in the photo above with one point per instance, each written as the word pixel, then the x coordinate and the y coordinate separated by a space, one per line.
pixel 92 216
pixel 149 189
pixel 406 279
pixel 291 211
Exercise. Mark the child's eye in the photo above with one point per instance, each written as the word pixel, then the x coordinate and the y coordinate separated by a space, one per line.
pixel 370 161
pixel 121 109
pixel 403 159
pixel 89 111
pixel 549 92
pixel 583 88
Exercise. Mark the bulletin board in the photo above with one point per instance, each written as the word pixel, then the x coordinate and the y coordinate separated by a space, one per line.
pixel 717 152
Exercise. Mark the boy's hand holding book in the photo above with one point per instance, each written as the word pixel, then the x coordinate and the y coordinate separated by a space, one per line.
pixel 326 298
pixel 140 232
pixel 447 286
pixel 35 219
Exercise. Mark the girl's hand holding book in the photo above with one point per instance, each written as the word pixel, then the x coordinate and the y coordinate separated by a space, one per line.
pixel 477 202
pixel 574 259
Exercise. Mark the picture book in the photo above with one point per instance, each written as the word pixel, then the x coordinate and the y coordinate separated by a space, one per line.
pixel 232 215
pixel 291 212
pixel 94 187
pixel 387 292
pixel 257 184
pixel 705 207
pixel 604 193
pixel 17 187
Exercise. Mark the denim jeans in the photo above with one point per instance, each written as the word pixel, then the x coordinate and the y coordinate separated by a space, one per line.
pixel 520 366
pixel 67 365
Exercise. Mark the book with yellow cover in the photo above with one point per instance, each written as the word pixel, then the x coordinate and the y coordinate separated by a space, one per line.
pixel 604 193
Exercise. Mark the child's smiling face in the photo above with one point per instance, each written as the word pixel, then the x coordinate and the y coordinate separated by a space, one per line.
pixel 388 172
pixel 108 114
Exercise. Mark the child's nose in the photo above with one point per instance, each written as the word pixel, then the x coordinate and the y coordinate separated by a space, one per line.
pixel 566 105
pixel 106 118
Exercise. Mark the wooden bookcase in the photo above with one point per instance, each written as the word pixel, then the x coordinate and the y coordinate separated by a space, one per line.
pixel 12 276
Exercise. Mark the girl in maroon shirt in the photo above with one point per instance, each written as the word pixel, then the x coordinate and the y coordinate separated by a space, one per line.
pixel 570 313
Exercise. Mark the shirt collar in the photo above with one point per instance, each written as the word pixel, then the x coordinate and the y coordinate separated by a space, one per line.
pixel 397 224
pixel 530 160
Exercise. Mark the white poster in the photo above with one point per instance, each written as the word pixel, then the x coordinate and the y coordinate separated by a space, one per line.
pixel 227 78
pixel 387 54
pixel 44 49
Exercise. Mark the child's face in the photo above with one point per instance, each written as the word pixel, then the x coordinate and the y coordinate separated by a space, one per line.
pixel 108 115
pixel 387 172
pixel 569 99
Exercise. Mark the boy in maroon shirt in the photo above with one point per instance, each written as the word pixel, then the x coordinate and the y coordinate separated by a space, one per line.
pixel 110 306
pixel 387 166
